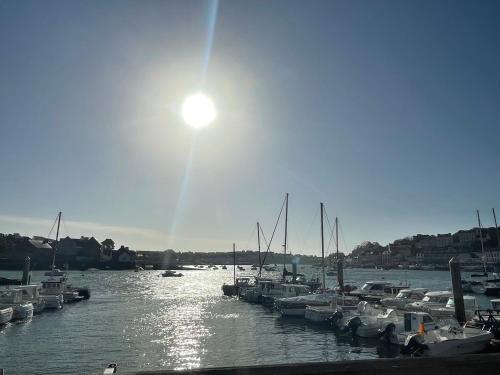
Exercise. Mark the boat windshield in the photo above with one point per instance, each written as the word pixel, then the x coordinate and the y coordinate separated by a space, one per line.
pixel 404 294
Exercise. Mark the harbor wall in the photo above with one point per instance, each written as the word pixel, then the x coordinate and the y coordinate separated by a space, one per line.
pixel 459 365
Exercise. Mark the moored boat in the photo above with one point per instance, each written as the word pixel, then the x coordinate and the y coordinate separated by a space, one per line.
pixel 169 273
pixel 447 341
pixel 6 315
pixel 404 297
pixel 14 298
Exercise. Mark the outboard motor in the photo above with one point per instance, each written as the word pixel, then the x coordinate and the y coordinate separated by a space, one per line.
pixel 388 335
pixel 352 325
pixel 414 345
pixel 335 319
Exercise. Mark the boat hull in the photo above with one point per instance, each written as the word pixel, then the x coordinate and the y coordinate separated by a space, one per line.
pixel 23 311
pixel 458 347
pixel 292 311
pixel 6 315
pixel 53 302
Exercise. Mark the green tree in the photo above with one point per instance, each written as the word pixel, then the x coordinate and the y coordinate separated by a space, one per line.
pixel 108 244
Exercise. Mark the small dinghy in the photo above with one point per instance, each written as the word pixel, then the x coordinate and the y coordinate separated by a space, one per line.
pixel 169 273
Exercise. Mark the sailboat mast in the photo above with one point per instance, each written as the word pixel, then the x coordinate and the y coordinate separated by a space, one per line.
pixel 337 237
pixel 258 244
pixel 322 246
pixel 481 239
pixel 286 233
pixel 496 227
pixel 234 263
pixel 57 239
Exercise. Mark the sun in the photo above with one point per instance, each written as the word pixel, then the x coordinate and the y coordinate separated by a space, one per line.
pixel 198 110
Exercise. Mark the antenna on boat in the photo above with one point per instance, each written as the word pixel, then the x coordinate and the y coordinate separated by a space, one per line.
pixel 258 244
pixel 482 244
pixel 322 246
pixel 286 233
pixel 57 239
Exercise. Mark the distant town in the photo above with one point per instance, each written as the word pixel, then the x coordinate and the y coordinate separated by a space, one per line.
pixel 473 247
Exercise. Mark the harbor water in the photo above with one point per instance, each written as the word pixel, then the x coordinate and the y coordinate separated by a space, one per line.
pixel 142 321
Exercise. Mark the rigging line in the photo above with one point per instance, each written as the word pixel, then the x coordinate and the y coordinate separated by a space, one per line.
pixel 342 236
pixel 274 231
pixel 331 230
pixel 254 230
pixel 51 229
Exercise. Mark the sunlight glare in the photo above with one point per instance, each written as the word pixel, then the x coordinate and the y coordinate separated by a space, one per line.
pixel 198 110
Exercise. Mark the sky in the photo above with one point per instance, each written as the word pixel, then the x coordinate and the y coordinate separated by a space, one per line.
pixel 386 111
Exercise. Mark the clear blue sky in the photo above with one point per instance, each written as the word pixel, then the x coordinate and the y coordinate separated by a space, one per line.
pixel 388 111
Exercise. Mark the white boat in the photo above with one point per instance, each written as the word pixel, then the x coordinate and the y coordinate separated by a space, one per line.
pixel 390 324
pixel 6 315
pixel 404 297
pixel 14 298
pixel 431 300
pixel 447 341
pixel 32 293
pixel 448 311
pixel 324 314
pixel 376 290
pixel 272 292
pixel 53 287
pixel 296 306
pixel 253 292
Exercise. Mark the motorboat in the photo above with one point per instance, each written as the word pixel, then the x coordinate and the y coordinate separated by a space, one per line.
pixel 404 297
pixel 14 298
pixel 296 306
pixel 224 267
pixel 6 315
pixel 240 286
pixel 322 314
pixel 53 287
pixel 447 341
pixel 369 326
pixel 253 293
pixel 241 268
pixel 254 268
pixel 32 293
pixel 169 273
pixel 431 300
pixel 473 286
pixel 272 292
pixel 138 269
pixel 448 311
pixel 390 325
pixel 374 291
